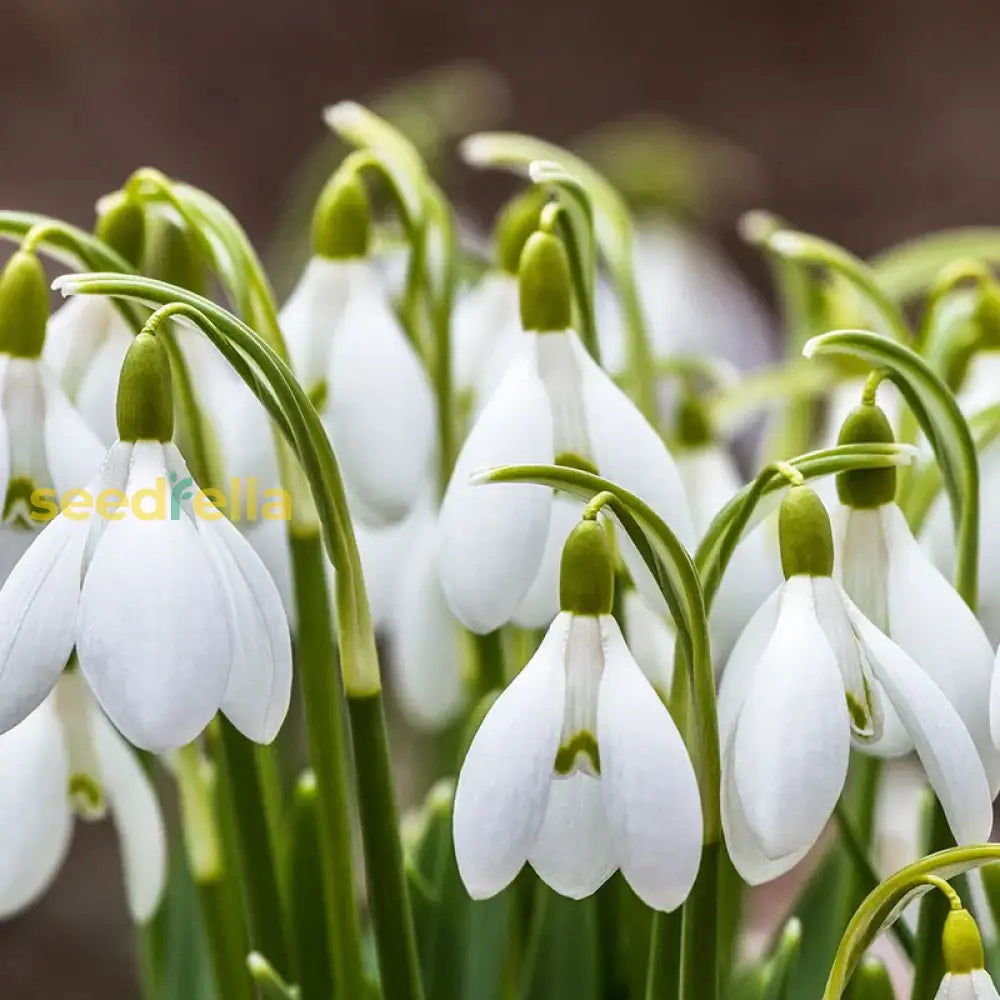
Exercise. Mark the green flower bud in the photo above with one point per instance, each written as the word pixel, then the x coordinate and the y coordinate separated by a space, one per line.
pixel 24 306
pixel 171 254
pixel 587 571
pixel 145 395
pixel 871 981
pixel 804 534
pixel 988 315
pixel 694 429
pixel 342 221
pixel 517 220
pixel 961 943
pixel 866 488
pixel 544 283
pixel 122 225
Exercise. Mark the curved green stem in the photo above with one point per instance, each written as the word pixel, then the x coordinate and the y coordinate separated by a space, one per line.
pixel 941 421
pixel 356 640
pixel 806 249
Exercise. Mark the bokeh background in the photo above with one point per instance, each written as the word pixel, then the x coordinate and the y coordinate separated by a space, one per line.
pixel 866 120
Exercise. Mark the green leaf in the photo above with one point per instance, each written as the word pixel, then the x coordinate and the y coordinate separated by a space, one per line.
pixel 781 963
pixel 906 270
pixel 566 949
pixel 886 904
pixel 941 421
pixel 272 986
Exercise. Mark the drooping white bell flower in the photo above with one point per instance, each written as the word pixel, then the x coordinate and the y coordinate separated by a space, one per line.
pixel 66 759
pixel 694 300
pixel 500 544
pixel 170 611
pixel 350 352
pixel 711 480
pixel 426 649
pixel 578 767
pixel 980 390
pixel 965 975
pixel 895 585
pixel 809 678
pixel 45 445
pixel 652 638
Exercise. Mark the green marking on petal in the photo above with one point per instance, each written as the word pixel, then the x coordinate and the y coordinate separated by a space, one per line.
pixel 18 506
pixel 584 743
pixel 86 797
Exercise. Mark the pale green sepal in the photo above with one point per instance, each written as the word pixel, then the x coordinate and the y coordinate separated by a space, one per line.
pixel 804 534
pixel 172 254
pixel 145 394
pixel 866 488
pixel 516 221
pixel 587 571
pixel 24 306
pixel 544 285
pixel 122 225
pixel 961 943
pixel 342 222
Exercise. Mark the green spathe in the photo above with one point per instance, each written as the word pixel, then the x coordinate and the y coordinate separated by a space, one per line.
pixel 342 220
pixel 864 489
pixel 24 306
pixel 122 225
pixel 171 254
pixel 544 284
pixel 961 943
pixel 517 220
pixel 587 571
pixel 145 395
pixel 804 534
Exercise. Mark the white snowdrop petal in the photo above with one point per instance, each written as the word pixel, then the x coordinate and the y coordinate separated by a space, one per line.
pixel 73 335
pixel 629 452
pixel 651 796
pixel 379 408
pixel 38 606
pixel 72 450
pixel 942 742
pixel 504 783
pixel 486 330
pixel 427 648
pixel 743 661
pixel 310 316
pixel 260 676
pixel 862 565
pixel 652 639
pixel 136 812
pixel 745 851
pixel 937 629
pixel 983 986
pixel 35 819
pixel 573 853
pixel 153 641
pixel 792 742
pixel 96 395
pixel 541 603
pixel 492 536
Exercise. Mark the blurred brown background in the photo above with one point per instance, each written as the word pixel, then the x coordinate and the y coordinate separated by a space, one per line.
pixel 871 120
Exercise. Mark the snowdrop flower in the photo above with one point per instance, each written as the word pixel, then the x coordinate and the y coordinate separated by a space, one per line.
pixel 170 612
pixel 980 390
pixel 893 582
pixel 351 354
pixel 694 300
pixel 486 327
pixel 809 677
pixel 44 443
pixel 65 760
pixel 965 977
pixel 577 767
pixel 711 480
pixel 499 544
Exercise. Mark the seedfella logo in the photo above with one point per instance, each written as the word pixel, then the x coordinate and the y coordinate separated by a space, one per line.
pixel 243 501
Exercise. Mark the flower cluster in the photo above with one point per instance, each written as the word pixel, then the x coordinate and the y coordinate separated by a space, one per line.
pixel 526 476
